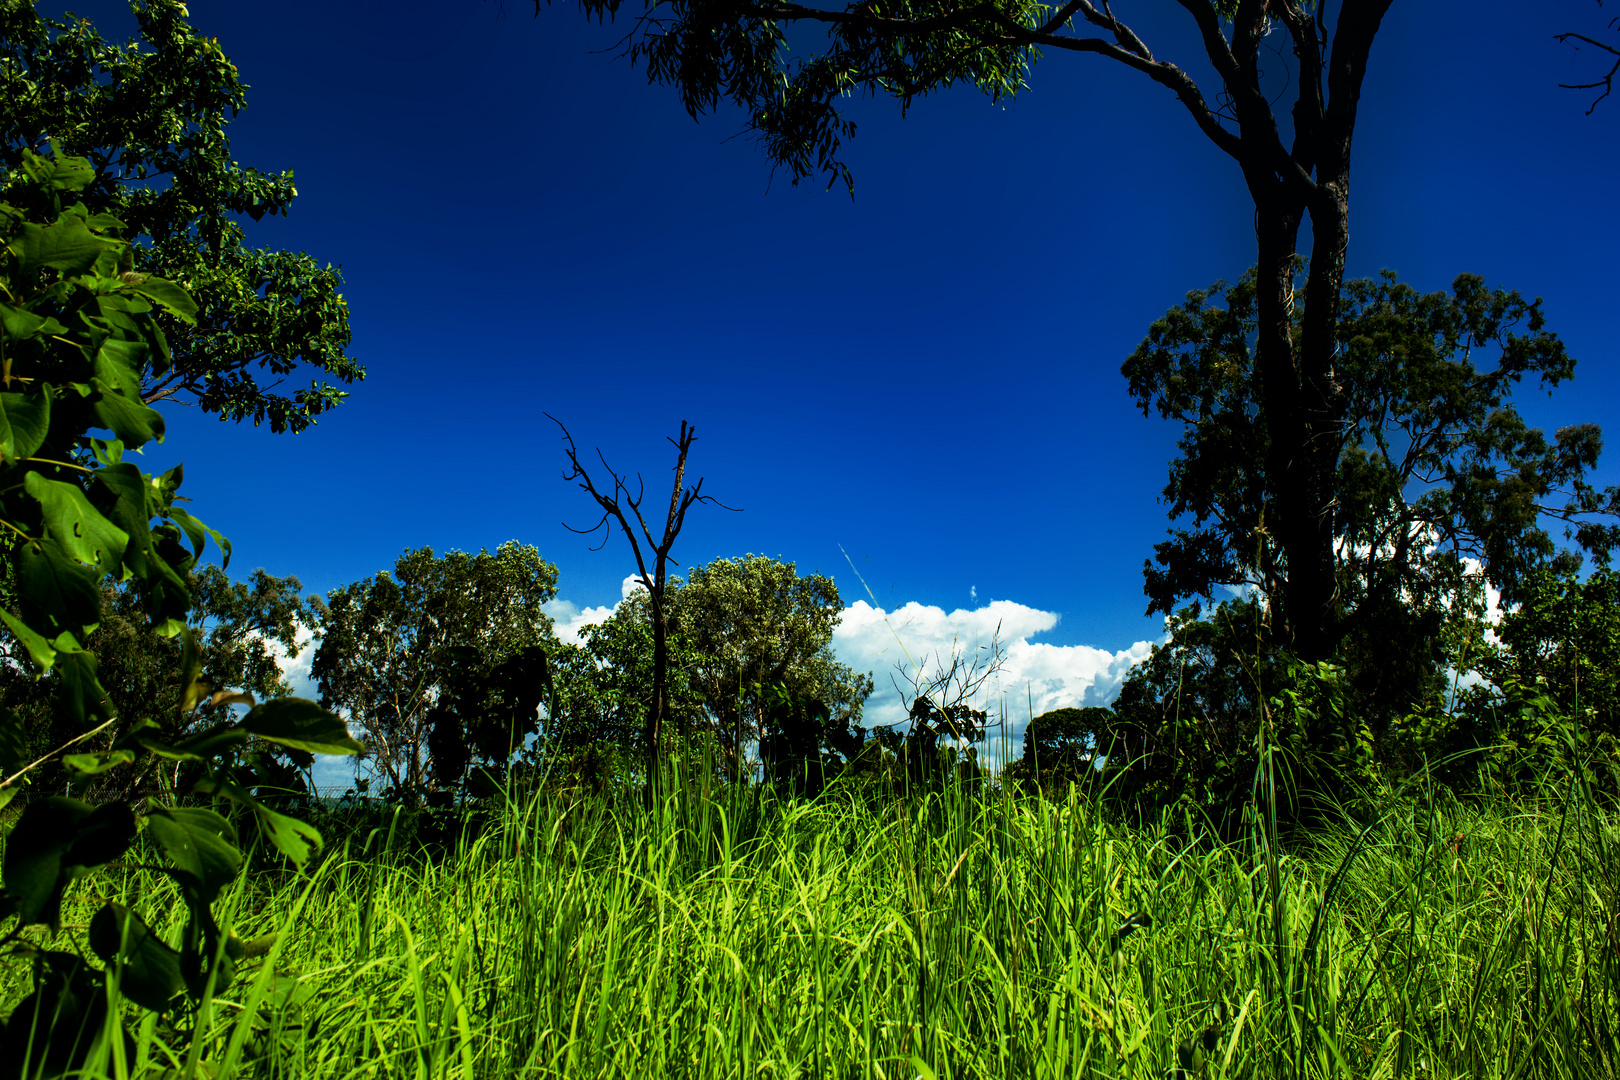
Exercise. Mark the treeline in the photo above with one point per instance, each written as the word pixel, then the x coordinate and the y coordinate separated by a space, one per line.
pixel 1486 706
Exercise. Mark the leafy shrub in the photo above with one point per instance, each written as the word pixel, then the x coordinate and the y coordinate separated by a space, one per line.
pixel 78 331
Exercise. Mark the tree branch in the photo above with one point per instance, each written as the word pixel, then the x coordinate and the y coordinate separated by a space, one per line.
pixel 1607 81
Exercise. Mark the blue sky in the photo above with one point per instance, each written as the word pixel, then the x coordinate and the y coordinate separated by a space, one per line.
pixel 926 375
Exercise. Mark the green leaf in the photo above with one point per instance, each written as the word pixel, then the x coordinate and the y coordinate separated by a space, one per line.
pixel 55 840
pixel 170 296
pixel 55 592
pixel 20 323
pixel 131 510
pixel 148 969
pixel 102 837
pixel 13 743
pixel 83 696
pixel 118 363
pixel 67 245
pixel 24 421
pixel 96 764
pixel 38 645
pixel 200 845
pixel 293 838
pixel 133 421
pixel 196 531
pixel 61 172
pixel 192 690
pixel 82 530
pixel 301 724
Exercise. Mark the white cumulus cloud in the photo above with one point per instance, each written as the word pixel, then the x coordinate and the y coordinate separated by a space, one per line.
pixel 571 618
pixel 1035 676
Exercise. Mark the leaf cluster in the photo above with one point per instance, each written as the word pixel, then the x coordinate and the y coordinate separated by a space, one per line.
pixel 149 119
pixel 1437 470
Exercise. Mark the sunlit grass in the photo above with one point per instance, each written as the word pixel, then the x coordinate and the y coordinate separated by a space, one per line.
pixel 957 934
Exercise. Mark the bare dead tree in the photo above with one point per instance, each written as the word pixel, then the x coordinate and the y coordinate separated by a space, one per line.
pixel 941 696
pixel 620 506
pixel 1605 82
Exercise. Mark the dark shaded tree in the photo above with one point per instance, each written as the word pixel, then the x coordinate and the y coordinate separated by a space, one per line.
pixel 1437 472
pixel 803 742
pixel 1063 745
pixel 239 627
pixel 150 117
pixel 1564 638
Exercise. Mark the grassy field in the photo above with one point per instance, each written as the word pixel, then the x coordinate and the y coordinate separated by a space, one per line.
pixel 954 935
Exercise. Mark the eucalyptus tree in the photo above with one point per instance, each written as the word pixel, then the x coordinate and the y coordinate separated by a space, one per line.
pixel 1435 472
pixel 150 118
pixel 759 638
pixel 396 646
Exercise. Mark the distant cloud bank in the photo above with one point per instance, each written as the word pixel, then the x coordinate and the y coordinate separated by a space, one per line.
pixel 1035 676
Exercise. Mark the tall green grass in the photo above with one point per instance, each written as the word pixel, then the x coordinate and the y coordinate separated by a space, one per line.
pixel 966 933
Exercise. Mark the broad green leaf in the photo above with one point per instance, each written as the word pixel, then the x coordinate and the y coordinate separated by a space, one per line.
pixel 20 324
pixel 172 297
pixel 107 451
pixel 13 743
pixel 301 724
pixel 66 245
pixel 200 844
pixel 55 593
pixel 292 837
pixel 119 363
pixel 192 691
pixel 33 862
pixel 38 645
pixel 84 533
pixel 82 695
pixel 24 421
pixel 148 969
pixel 195 530
pixel 55 839
pixel 133 421
pixel 102 837
pixel 131 510
pixel 209 744
pixel 95 764
pixel 63 172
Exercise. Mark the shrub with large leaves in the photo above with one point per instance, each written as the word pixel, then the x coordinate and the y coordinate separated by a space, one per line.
pixel 77 326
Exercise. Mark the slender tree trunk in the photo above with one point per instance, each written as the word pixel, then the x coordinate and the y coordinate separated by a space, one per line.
pixel 660 686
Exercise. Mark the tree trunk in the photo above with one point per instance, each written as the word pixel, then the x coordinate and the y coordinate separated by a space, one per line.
pixel 1304 405
pixel 660 692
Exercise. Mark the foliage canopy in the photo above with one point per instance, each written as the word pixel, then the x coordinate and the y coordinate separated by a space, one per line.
pixel 149 117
